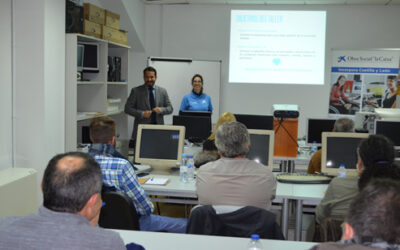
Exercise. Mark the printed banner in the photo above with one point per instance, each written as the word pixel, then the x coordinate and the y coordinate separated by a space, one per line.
pixel 362 80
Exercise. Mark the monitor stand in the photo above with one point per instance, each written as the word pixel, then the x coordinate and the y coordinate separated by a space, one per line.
pixel 161 169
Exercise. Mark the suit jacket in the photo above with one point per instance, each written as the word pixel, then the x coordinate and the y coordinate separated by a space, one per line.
pixel 240 223
pixel 138 102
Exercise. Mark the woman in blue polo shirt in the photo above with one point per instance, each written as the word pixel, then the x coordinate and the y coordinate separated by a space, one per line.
pixel 197 100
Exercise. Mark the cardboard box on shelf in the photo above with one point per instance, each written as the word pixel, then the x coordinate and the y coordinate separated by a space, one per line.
pixel 114 35
pixel 112 20
pixel 92 29
pixel 94 13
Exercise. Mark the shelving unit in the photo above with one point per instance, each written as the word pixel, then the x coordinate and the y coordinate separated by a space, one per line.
pixel 91 96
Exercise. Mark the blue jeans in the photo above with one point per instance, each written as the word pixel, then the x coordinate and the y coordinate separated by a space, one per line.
pixel 156 223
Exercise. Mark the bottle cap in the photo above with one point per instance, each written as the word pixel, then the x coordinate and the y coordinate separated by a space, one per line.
pixel 341 165
pixel 255 237
pixel 190 156
pixel 183 155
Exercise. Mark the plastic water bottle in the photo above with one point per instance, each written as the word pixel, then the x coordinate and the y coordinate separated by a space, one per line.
pixel 341 171
pixel 314 147
pixel 190 168
pixel 183 169
pixel 255 243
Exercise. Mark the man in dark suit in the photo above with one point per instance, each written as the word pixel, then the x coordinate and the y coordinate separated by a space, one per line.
pixel 148 103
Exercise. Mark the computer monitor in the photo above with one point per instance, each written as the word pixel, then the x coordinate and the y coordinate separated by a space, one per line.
pixel 265 122
pixel 315 127
pixel 261 146
pixel 340 148
pixel 390 129
pixel 159 146
pixel 90 57
pixel 198 128
pixel 195 113
pixel 80 53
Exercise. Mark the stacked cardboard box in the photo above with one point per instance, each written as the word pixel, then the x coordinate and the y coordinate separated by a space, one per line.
pixel 104 24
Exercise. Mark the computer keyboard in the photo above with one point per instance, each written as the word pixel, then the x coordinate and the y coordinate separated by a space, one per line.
pixel 303 178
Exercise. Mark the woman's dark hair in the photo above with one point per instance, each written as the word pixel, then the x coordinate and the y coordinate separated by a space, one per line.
pixel 337 82
pixel 198 75
pixel 377 155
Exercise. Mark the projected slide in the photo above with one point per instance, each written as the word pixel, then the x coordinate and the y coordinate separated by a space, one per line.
pixel 277 47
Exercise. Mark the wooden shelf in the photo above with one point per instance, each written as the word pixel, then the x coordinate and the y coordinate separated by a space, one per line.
pixel 117 83
pixel 88 82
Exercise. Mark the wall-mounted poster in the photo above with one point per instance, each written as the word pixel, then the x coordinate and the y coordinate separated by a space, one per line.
pixel 362 80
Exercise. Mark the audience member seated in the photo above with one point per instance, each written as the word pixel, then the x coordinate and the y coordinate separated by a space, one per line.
pixel 71 206
pixel 341 125
pixel 210 152
pixel 372 167
pixel 373 221
pixel 118 173
pixel 341 191
pixel 233 179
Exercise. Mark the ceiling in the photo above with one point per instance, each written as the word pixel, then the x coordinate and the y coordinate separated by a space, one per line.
pixel 273 2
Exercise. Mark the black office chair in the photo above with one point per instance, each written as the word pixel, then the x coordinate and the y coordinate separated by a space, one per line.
pixel 118 212
pixel 242 222
pixel 330 229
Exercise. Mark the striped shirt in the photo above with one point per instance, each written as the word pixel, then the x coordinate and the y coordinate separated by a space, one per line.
pixel 118 173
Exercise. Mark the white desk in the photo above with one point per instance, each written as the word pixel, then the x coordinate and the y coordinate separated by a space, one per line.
pixel 185 193
pixel 171 241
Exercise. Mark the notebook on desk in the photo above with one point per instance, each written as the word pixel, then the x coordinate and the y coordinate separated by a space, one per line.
pixel 154 181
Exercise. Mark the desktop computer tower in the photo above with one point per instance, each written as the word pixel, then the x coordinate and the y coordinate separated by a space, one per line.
pixel 117 64
pixel 73 18
pixel 111 69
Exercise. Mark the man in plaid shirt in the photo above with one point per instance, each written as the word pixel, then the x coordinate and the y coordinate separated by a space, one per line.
pixel 119 173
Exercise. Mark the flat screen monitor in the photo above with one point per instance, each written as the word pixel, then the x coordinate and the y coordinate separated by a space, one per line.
pixel 261 146
pixel 315 127
pixel 265 122
pixel 340 148
pixel 90 57
pixel 198 128
pixel 195 113
pixel 159 146
pixel 80 53
pixel 390 129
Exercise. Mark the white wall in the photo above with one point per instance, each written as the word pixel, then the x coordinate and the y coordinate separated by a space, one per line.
pixel 202 32
pixel 6 144
pixel 39 82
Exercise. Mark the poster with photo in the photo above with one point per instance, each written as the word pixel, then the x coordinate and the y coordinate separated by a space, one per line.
pixel 363 81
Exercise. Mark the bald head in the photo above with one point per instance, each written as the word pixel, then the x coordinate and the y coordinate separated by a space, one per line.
pixel 343 125
pixel 69 181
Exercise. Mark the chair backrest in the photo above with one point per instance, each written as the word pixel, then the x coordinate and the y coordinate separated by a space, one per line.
pixel 242 222
pixel 118 212
pixel 330 229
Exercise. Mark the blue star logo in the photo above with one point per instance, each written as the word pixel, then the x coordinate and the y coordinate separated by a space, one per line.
pixel 342 59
